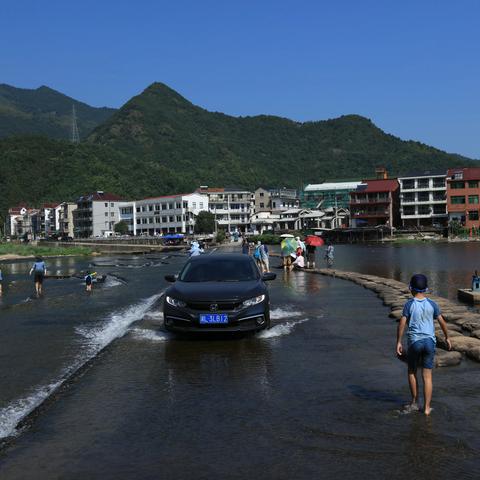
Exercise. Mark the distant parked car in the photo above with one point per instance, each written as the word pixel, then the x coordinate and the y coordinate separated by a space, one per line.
pixel 218 293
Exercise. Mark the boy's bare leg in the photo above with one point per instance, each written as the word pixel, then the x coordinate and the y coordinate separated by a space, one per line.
pixel 427 389
pixel 412 382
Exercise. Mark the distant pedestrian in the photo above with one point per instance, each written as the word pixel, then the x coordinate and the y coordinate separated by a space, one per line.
pixel 300 245
pixel 39 269
pixel 329 255
pixel 89 278
pixel 261 257
pixel 299 263
pixel 419 313
pixel 244 245
pixel 311 256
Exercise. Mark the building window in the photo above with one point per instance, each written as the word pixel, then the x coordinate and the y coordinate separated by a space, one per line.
pixel 200 205
pixel 106 205
pixel 410 210
pixel 170 206
pixel 458 200
pixel 473 214
pixel 138 221
pixel 185 204
pixel 473 184
pixel 423 197
pixel 262 205
pixel 106 214
pixel 457 185
pixel 164 206
pixel 164 219
pixel 408 197
pixel 473 199
pixel 438 183
pixel 194 205
pixel 423 210
pixel 179 218
pixel 112 214
pixel 439 209
pixel 171 219
pixel 408 184
pixel 179 205
pixel 150 208
pixel 138 209
pixel 157 206
pixel 423 183
pixel 261 194
pixel 150 219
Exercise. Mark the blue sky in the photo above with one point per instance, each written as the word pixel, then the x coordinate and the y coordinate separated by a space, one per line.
pixel 413 67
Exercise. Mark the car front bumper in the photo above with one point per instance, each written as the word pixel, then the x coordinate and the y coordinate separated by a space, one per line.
pixel 187 320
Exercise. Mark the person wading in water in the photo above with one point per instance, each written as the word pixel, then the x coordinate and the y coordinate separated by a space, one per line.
pixel 39 269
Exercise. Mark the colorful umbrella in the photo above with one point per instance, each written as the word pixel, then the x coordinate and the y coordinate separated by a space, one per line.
pixel 314 240
pixel 289 246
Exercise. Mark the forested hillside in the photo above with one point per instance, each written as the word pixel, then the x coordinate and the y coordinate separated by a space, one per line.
pixel 44 111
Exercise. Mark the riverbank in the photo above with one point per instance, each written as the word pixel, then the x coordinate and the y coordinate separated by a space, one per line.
pixel 14 251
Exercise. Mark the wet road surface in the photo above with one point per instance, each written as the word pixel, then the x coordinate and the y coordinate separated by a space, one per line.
pixel 316 396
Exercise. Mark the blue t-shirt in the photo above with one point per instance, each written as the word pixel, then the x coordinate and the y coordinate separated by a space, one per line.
pixel 39 267
pixel 420 314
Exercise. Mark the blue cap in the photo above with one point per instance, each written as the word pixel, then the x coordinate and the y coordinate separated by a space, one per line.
pixel 418 283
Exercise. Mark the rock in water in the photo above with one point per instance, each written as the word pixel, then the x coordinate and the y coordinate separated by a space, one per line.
pixel 447 359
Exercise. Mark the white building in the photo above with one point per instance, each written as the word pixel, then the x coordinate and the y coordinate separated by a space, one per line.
pixel 163 215
pixel 423 199
pixel 232 207
pixel 96 214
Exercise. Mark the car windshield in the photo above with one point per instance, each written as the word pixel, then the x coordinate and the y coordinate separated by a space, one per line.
pixel 219 270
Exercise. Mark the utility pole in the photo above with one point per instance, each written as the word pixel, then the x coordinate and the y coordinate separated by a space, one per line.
pixel 75 138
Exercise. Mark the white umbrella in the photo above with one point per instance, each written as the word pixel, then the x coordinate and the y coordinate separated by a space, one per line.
pixel 287 235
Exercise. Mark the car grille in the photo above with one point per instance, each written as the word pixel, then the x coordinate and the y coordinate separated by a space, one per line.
pixel 222 306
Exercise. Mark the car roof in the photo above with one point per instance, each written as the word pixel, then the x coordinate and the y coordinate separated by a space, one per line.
pixel 221 256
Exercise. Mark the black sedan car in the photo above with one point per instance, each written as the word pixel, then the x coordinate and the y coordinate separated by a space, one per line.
pixel 218 293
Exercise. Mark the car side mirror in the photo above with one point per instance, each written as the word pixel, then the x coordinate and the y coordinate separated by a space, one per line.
pixel 269 276
pixel 171 278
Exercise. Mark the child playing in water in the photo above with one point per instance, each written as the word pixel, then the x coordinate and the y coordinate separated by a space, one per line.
pixel 419 314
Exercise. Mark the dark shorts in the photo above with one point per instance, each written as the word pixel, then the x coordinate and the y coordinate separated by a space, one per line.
pixel 311 256
pixel 38 277
pixel 421 354
pixel 88 281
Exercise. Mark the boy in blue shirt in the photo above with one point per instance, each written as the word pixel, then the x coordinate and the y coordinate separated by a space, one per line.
pixel 419 313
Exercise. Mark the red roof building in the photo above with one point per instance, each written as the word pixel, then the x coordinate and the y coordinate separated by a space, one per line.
pixel 463 194
pixel 375 202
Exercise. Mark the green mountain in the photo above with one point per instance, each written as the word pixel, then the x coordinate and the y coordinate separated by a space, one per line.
pixel 44 111
pixel 160 143
pixel 163 128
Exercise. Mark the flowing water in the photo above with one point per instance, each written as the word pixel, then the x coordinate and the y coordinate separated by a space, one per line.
pixel 319 395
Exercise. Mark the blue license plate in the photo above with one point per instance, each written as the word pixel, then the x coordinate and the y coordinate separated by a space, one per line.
pixel 209 318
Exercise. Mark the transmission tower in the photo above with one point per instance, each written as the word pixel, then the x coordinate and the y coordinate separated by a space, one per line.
pixel 75 135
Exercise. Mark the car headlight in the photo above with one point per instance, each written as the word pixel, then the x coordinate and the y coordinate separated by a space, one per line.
pixel 253 301
pixel 175 303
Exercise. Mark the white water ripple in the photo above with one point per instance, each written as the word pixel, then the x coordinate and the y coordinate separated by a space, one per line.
pixel 284 312
pixel 116 326
pixel 150 335
pixel 282 329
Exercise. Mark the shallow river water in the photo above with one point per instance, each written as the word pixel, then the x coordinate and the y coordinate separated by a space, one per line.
pixel 317 396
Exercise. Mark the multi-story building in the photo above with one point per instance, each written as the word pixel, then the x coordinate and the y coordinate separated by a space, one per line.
pixel 65 219
pixel 163 215
pixel 275 200
pixel 328 195
pixel 96 214
pixel 375 202
pixel 463 193
pixel 423 198
pixel 232 207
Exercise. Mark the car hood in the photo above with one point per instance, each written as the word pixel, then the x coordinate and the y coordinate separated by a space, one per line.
pixel 216 291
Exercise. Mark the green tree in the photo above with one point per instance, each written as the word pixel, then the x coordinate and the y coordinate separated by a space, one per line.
pixel 220 236
pixel 205 222
pixel 121 227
